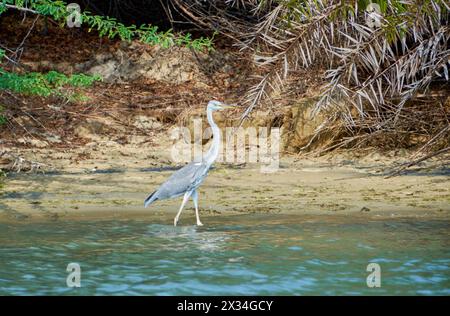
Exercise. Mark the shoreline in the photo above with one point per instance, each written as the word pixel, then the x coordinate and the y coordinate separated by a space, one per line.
pixel 298 188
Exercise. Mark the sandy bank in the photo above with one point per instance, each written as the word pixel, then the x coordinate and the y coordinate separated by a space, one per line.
pixel 300 187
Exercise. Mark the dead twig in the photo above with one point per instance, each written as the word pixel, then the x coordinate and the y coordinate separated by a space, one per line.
pixel 415 162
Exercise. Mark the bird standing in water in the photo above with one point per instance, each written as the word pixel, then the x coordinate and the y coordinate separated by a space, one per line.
pixel 186 180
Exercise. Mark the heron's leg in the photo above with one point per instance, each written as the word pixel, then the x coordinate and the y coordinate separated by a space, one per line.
pixel 185 199
pixel 195 198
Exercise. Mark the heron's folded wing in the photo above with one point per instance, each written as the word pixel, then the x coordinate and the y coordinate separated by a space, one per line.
pixel 184 179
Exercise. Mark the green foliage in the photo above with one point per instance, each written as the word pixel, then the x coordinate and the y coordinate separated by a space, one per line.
pixel 51 83
pixel 110 27
pixel 36 83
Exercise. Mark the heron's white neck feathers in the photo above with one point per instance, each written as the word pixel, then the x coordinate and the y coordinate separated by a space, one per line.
pixel 213 151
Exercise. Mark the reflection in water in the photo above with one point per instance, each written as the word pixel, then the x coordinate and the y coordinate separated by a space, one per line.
pixel 241 255
pixel 191 237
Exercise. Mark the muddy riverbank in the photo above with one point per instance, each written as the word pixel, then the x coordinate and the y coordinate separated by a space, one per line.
pixel 309 187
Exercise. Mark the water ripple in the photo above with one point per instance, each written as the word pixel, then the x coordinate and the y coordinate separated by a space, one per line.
pixel 245 255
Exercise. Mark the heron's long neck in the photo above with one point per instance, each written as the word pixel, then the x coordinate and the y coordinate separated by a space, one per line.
pixel 213 151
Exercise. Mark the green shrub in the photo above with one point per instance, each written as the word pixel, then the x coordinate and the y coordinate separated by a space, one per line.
pixel 36 83
pixel 110 27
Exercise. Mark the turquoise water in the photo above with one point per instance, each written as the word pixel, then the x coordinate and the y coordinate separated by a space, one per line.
pixel 235 255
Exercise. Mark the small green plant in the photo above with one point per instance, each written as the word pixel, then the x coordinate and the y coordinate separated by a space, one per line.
pixel 49 84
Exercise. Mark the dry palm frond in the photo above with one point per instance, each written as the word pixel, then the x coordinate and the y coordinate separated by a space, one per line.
pixel 231 18
pixel 388 81
pixel 379 67
pixel 293 47
pixel 377 73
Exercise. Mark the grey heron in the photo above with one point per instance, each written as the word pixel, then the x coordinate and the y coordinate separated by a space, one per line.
pixel 186 180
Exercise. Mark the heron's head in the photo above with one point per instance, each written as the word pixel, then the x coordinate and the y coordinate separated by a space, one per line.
pixel 217 105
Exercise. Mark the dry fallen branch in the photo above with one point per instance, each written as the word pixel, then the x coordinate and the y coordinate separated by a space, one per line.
pixel 417 161
pixel 16 163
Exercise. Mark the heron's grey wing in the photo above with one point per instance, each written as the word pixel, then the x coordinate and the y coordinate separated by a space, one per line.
pixel 185 179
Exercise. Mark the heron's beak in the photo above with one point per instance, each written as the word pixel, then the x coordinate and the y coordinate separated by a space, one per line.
pixel 228 106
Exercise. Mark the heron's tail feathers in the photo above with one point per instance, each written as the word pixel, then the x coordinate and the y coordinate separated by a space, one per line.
pixel 150 199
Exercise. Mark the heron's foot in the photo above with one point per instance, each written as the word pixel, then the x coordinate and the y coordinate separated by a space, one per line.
pixel 175 221
pixel 199 223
